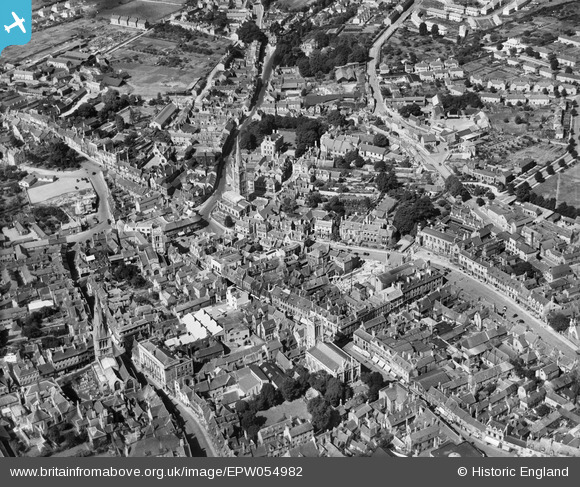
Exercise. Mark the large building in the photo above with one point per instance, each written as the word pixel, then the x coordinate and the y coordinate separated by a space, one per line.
pixel 160 364
pixel 331 359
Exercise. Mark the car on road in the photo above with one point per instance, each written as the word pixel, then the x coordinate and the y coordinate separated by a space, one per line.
pixel 366 253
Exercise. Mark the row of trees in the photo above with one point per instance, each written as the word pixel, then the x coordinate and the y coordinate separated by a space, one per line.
pixel 423 30
pixel 525 194
pixel 467 99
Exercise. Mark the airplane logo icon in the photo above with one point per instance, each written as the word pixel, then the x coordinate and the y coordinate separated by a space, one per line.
pixel 18 22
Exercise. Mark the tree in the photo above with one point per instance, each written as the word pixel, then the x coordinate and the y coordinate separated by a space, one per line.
pixel 318 380
pixel 380 166
pixel 538 176
pixel 435 30
pixel 250 32
pixel 120 123
pixel 423 29
pixel 554 64
pixel 375 383
pixel 412 210
pixel 288 205
pixel 291 389
pixel 499 46
pixel 341 163
pixel 559 322
pixel 523 267
pixel 550 170
pixel 336 118
pixel 248 140
pixel 321 412
pixel 242 406
pixel 3 338
pixel 335 391
pixel 381 140
pixel 313 199
pixel 85 111
pixel 413 109
pixel 269 397
pixel 523 192
pixel 480 201
pixel 229 222
pixel 386 181
pixel 490 195
pixel 359 161
pixel 568 70
pixel 251 423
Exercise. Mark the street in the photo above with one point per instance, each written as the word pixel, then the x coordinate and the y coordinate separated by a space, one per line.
pixel 472 289
pixel 206 208
pixel 94 173
pixel 437 159
pixel 194 431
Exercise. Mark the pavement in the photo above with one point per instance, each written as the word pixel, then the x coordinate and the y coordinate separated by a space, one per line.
pixel 437 159
pixel 472 289
pixel 193 428
pixel 206 208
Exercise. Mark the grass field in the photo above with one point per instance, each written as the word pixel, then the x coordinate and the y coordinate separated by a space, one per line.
pixel 569 186
pixel 144 60
pixel 145 10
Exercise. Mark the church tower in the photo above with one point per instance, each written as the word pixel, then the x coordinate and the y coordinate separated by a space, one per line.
pixel 101 336
pixel 237 179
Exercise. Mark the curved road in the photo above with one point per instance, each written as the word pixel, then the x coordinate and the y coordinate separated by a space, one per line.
pixel 193 428
pixel 206 208
pixel 437 160
pixel 472 287
pixel 98 181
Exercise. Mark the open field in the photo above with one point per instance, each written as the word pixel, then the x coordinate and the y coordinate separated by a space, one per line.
pixel 159 65
pixel 150 10
pixel 44 42
pixel 45 192
pixel 569 186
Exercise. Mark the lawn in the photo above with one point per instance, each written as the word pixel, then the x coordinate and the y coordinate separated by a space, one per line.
pixel 294 409
pixel 569 186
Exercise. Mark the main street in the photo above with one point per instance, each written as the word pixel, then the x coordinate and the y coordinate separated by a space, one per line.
pixel 194 430
pixel 206 208
pixel 437 159
pixel 472 289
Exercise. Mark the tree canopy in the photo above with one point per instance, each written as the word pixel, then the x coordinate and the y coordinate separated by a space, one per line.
pixel 412 210
pixel 250 32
